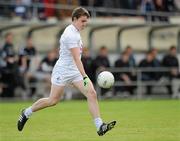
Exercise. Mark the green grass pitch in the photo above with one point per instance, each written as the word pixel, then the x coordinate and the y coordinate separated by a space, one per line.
pixel 141 120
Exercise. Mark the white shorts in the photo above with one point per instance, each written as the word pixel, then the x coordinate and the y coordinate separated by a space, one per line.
pixel 61 76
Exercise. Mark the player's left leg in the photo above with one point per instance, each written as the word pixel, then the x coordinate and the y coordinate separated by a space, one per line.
pixel 53 99
pixel 93 106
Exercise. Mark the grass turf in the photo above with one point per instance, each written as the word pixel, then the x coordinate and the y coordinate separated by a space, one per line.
pixel 157 120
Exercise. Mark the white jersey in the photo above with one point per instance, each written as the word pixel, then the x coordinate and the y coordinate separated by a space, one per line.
pixel 65 71
pixel 69 39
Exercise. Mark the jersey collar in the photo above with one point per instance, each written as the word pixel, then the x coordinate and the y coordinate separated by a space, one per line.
pixel 75 28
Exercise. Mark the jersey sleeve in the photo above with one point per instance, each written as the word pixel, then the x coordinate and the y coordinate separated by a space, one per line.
pixel 72 41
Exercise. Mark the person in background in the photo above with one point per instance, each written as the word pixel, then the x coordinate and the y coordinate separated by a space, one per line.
pixel 100 63
pixel 160 6
pixel 148 75
pixel 19 9
pixel 129 52
pixel 10 73
pixel 10 77
pixel 170 61
pixel 28 62
pixel 177 4
pixel 87 61
pixel 49 11
pixel 125 76
pixel 30 52
pixel 65 13
pixel 156 63
pixel 43 73
pixel 147 6
pixel 46 66
pixel 170 5
pixel 8 46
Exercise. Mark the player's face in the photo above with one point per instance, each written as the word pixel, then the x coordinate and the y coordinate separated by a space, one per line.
pixel 81 22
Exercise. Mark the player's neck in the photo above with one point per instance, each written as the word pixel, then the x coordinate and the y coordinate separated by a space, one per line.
pixel 75 26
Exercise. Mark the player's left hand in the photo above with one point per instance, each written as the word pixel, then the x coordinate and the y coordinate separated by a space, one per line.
pixel 86 81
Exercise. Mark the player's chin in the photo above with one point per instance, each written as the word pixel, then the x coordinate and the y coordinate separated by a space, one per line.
pixel 82 27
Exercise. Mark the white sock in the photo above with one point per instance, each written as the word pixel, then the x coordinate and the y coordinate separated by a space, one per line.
pixel 98 122
pixel 28 112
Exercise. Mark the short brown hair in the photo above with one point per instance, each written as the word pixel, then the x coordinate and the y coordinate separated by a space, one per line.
pixel 78 12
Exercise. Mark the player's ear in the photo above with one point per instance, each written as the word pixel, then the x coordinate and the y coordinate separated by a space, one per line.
pixel 74 19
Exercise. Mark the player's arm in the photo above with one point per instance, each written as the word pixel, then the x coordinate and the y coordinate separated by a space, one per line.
pixel 76 56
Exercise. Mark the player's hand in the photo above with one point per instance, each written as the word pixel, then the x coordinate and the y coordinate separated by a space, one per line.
pixel 86 81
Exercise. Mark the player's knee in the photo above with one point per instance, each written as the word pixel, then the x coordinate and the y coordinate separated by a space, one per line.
pixel 53 102
pixel 92 95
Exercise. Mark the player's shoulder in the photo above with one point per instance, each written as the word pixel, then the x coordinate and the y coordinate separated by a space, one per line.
pixel 71 32
pixel 68 28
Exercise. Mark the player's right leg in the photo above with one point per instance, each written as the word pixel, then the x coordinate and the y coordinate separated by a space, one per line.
pixel 105 127
pixel 53 99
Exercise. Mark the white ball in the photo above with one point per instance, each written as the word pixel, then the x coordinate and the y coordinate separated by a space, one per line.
pixel 105 79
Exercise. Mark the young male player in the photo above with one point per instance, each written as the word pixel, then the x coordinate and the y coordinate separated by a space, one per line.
pixel 69 69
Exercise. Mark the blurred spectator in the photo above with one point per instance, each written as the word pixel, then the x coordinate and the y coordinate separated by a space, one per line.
pixel 149 75
pixel 169 5
pixel 28 62
pixel 160 6
pixel 46 65
pixel 22 61
pixel 131 61
pixel 40 11
pixel 91 3
pixel 26 55
pixel 28 5
pixel 62 14
pixel 147 6
pixel 8 46
pixel 5 9
pixel 154 53
pixel 98 3
pixel 156 63
pixel 30 52
pixel 40 78
pixel 177 4
pixel 171 61
pixel 84 2
pixel 88 64
pixel 49 10
pixel 129 52
pixel 101 62
pixel 2 62
pixel 20 10
pixel 10 77
pixel 27 2
pixel 126 76
pixel 110 4
pixel 48 62
pixel 87 2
